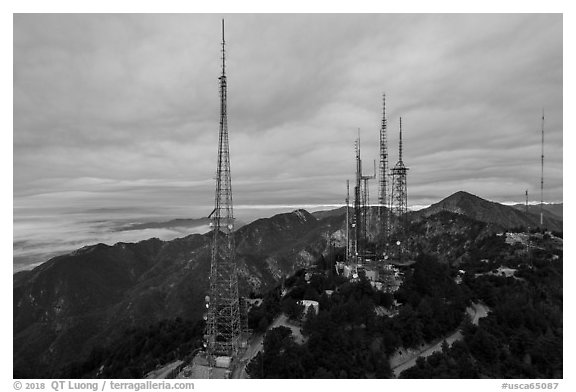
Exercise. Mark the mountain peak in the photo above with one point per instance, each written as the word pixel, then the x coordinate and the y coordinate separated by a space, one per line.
pixel 475 207
pixel 461 194
pixel 303 215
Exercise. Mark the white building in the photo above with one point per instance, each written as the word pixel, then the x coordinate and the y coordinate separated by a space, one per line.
pixel 310 304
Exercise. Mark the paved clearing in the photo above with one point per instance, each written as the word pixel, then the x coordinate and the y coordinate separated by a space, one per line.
pixel 164 371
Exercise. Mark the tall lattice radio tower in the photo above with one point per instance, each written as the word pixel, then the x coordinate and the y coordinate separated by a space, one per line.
pixel 357 243
pixel 399 197
pixel 383 207
pixel 223 318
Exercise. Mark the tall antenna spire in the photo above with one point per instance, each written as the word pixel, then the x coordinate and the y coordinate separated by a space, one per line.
pixel 223 51
pixel 542 176
pixel 399 200
pixel 383 212
pixel 223 303
pixel 358 141
pixel 347 220
pixel 400 143
pixel 357 220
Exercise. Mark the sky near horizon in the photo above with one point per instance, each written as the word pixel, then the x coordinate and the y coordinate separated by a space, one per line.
pixel 119 112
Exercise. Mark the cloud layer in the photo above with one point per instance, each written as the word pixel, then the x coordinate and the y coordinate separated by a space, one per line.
pixel 121 111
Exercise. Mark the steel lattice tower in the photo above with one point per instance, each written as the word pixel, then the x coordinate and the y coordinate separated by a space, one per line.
pixel 357 220
pixel 347 220
pixel 383 207
pixel 399 196
pixel 223 322
pixel 361 206
pixel 366 212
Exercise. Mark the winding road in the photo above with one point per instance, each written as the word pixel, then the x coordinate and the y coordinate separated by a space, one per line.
pixel 399 363
pixel 255 345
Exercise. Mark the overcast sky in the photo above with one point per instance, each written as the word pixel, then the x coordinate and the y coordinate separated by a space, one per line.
pixel 121 111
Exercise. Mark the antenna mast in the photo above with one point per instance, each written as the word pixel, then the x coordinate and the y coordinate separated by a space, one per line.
pixel 542 177
pixel 357 223
pixel 347 220
pixel 383 208
pixel 528 236
pixel 223 318
pixel 399 199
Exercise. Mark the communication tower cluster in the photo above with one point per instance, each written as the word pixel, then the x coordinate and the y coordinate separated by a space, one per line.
pixel 392 210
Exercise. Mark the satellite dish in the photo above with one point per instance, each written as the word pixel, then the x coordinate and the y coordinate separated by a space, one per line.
pixel 207 298
pixel 397 242
pixel 205 318
pixel 386 257
pixel 230 226
pixel 207 306
pixel 211 224
pixel 355 276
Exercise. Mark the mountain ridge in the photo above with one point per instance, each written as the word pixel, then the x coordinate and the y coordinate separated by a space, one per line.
pixel 551 210
pixel 72 303
pixel 475 207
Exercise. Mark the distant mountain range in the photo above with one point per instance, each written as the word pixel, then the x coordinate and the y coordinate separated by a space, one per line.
pixel 72 303
pixel 465 203
pixel 164 225
pixel 482 210
pixel 554 211
pixel 75 302
pixel 330 213
pixel 171 224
